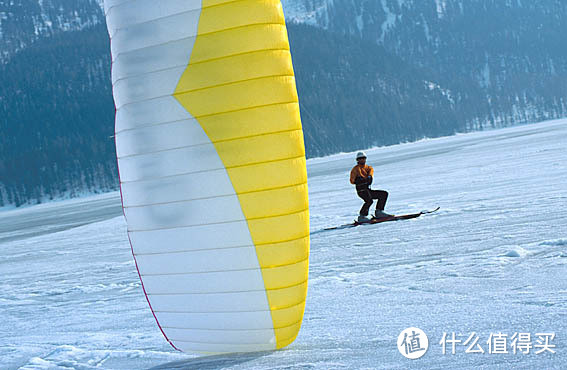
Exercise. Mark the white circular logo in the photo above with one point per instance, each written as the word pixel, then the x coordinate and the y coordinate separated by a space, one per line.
pixel 413 343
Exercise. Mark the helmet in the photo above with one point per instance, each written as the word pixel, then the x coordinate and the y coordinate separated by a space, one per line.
pixel 360 155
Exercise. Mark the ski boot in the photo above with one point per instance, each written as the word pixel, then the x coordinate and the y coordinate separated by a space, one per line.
pixel 381 214
pixel 363 219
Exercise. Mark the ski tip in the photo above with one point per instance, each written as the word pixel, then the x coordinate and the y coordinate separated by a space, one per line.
pixel 431 211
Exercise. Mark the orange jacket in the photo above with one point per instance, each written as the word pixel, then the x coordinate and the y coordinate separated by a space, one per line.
pixel 362 171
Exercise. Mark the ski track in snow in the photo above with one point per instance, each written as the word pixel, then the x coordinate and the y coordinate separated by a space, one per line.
pixel 493 259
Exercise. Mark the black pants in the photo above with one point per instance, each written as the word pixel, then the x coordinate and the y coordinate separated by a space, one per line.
pixel 368 196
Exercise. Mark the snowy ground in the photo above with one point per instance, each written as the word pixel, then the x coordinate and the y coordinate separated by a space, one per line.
pixel 494 259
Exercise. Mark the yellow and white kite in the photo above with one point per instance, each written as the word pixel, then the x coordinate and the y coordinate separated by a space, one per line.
pixel 212 169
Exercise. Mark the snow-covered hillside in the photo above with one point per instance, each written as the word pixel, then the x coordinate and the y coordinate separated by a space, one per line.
pixel 23 22
pixel 493 260
pixel 310 12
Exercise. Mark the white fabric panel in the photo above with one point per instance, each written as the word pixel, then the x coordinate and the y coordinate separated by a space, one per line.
pixel 150 59
pixel 128 13
pixel 193 212
pixel 224 320
pixel 108 4
pixel 151 112
pixel 209 282
pixel 159 31
pixel 161 137
pixel 222 348
pixel 146 86
pixel 222 336
pixel 197 261
pixel 170 163
pixel 233 234
pixel 177 188
pixel 176 192
pixel 214 302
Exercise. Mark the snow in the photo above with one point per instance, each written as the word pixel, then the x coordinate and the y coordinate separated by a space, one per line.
pixel 485 80
pixel 441 6
pixel 445 92
pixel 426 29
pixel 390 21
pixel 308 13
pixel 493 259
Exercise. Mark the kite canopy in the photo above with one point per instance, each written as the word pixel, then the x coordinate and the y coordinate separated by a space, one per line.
pixel 212 169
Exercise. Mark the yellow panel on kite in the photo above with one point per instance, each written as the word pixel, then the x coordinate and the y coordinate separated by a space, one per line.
pixel 240 87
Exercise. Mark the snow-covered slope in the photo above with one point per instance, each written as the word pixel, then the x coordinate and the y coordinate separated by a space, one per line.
pixel 24 21
pixel 501 52
pixel 492 260
pixel 310 12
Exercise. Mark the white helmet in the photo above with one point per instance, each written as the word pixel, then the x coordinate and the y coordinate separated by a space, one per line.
pixel 360 155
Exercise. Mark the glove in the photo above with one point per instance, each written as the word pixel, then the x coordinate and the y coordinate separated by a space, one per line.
pixel 369 180
pixel 359 180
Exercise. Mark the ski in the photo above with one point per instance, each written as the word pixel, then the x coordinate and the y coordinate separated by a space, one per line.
pixel 383 219
pixel 395 217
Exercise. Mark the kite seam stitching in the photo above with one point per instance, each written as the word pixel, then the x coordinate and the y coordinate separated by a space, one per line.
pixel 185 12
pixel 217 271
pixel 236 330
pixel 221 312
pixel 273 77
pixel 190 119
pixel 175 95
pixel 212 249
pixel 184 66
pixel 208 143
pixel 229 292
pixel 210 170
pixel 196 35
pixel 218 196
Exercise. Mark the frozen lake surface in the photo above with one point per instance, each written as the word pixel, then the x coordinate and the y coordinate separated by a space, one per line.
pixel 492 260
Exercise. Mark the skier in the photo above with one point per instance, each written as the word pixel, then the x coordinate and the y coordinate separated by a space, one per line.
pixel 361 176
